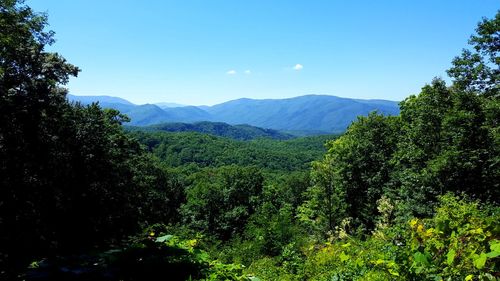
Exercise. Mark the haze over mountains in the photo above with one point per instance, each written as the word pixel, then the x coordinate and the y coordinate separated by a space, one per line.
pixel 310 114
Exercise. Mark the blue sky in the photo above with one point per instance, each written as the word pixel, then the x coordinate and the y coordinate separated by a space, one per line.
pixel 206 52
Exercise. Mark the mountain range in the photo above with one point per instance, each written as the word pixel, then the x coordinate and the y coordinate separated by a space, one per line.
pixel 310 114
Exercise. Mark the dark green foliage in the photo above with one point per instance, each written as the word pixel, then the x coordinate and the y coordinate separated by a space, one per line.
pixel 272 228
pixel 445 145
pixel 70 178
pixel 236 132
pixel 220 201
pixel 151 256
pixel 178 149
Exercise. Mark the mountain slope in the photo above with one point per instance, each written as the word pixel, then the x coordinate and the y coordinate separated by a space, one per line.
pixel 187 114
pixel 312 112
pixel 164 105
pixel 237 132
pixel 100 99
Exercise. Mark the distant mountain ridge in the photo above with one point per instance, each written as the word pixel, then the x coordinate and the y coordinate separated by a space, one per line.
pixel 315 113
pixel 169 104
pixel 236 132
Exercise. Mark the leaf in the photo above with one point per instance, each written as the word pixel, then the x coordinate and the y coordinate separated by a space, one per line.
pixel 346 245
pixel 393 272
pixel 420 258
pixel 495 246
pixel 34 265
pixel 480 261
pixel 450 257
pixel 492 254
pixel 469 277
pixel 344 257
pixel 164 238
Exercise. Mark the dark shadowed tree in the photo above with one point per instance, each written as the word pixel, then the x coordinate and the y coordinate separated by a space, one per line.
pixel 69 176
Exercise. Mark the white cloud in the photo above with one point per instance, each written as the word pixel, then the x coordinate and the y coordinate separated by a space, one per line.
pixel 248 72
pixel 231 72
pixel 298 67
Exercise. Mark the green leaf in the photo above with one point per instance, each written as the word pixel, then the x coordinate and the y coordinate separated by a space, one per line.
pixel 164 238
pixel 34 265
pixel 492 254
pixel 495 246
pixel 393 272
pixel 480 261
pixel 469 277
pixel 450 257
pixel 344 257
pixel 421 258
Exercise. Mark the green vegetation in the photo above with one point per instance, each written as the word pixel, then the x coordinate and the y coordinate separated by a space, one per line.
pixel 409 197
pixel 237 132
pixel 201 150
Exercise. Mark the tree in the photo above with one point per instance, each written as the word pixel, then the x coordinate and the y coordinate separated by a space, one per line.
pixel 478 70
pixel 446 144
pixel 351 177
pixel 68 176
pixel 30 105
pixel 220 201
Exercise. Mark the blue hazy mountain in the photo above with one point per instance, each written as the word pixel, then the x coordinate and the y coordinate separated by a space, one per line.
pixel 169 104
pixel 311 113
pixel 100 99
pixel 146 114
pixel 304 113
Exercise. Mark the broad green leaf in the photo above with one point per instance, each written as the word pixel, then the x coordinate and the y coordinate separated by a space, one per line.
pixel 421 258
pixel 492 254
pixel 450 257
pixel 164 238
pixel 343 257
pixel 495 246
pixel 469 277
pixel 480 261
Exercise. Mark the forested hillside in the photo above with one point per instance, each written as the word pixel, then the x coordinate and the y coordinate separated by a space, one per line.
pixel 237 132
pixel 180 149
pixel 408 197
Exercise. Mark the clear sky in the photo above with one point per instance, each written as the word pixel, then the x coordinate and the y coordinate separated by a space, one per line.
pixel 210 51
